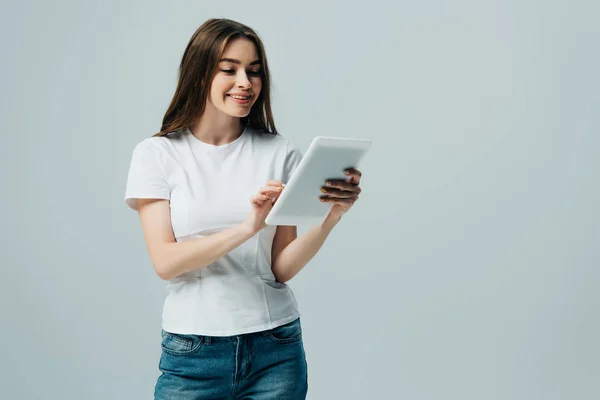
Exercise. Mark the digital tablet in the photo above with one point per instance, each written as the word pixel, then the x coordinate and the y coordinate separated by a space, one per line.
pixel 326 158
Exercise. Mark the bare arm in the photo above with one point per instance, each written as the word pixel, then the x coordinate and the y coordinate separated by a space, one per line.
pixel 171 258
pixel 290 253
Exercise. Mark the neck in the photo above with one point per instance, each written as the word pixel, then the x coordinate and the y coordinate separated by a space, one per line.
pixel 217 128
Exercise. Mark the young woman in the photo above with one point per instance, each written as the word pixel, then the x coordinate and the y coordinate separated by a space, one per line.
pixel 202 187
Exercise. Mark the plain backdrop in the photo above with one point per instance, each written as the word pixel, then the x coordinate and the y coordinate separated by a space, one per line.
pixel 467 270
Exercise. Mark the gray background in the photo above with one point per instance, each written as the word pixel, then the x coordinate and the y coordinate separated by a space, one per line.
pixel 468 269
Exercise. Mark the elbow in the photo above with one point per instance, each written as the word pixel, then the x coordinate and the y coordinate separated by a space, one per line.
pixel 281 277
pixel 162 274
pixel 163 266
pixel 163 271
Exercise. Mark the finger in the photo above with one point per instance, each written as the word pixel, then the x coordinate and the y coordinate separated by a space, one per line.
pixel 259 196
pixel 354 175
pixel 274 183
pixel 342 185
pixel 353 172
pixel 333 200
pixel 259 199
pixel 270 190
pixel 338 193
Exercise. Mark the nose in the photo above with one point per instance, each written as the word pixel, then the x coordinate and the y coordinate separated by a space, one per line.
pixel 243 81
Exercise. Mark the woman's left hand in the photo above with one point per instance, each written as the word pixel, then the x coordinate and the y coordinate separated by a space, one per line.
pixel 342 194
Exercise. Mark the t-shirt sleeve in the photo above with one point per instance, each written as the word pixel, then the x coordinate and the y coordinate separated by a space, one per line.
pixel 147 178
pixel 292 159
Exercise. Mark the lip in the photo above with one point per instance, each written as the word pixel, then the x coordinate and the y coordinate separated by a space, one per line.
pixel 240 102
pixel 240 94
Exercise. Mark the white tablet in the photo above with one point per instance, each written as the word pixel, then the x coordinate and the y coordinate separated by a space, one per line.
pixel 326 158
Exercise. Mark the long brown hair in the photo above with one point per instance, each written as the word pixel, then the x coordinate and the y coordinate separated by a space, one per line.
pixel 197 69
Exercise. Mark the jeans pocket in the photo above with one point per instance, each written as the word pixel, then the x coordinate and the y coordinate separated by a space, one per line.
pixel 179 344
pixel 288 333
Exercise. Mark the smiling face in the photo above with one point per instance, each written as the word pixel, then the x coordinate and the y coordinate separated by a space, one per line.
pixel 237 83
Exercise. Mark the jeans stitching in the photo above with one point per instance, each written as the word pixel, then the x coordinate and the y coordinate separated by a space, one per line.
pixel 191 348
pixel 293 339
pixel 188 343
pixel 286 340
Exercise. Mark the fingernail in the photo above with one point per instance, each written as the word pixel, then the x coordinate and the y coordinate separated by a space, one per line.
pixel 323 190
pixel 328 183
pixel 280 188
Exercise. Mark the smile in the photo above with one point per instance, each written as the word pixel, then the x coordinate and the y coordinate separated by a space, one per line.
pixel 233 96
pixel 241 100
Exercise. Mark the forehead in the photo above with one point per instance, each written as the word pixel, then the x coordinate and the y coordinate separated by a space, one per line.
pixel 241 49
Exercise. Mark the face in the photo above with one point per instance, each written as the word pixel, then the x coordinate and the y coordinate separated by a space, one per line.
pixel 237 83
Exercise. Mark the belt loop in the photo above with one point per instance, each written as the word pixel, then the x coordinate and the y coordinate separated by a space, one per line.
pixel 206 340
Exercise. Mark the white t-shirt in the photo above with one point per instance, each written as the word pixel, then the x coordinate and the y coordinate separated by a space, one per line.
pixel 209 188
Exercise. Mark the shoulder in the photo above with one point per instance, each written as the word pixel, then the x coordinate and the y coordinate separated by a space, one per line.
pixel 159 145
pixel 158 153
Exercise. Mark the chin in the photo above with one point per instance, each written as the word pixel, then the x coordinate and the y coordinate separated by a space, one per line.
pixel 239 113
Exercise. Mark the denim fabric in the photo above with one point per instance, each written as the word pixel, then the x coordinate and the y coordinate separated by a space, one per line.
pixel 259 366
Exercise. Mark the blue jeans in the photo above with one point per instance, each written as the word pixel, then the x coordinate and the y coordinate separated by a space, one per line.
pixel 259 366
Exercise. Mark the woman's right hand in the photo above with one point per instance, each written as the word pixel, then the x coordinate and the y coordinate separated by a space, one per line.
pixel 262 202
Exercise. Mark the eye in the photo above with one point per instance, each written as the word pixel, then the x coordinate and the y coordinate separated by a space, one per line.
pixel 254 73
pixel 228 71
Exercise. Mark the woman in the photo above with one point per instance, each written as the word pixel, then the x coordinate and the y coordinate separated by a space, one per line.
pixel 203 187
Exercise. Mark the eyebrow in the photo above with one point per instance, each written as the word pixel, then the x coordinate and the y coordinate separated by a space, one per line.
pixel 233 60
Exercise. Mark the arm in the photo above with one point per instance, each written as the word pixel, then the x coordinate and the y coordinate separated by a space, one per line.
pixel 290 253
pixel 171 258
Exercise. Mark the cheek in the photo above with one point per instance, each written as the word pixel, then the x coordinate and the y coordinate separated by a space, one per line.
pixel 213 94
pixel 218 89
pixel 257 85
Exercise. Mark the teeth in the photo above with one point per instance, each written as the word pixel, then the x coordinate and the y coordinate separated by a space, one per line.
pixel 240 97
